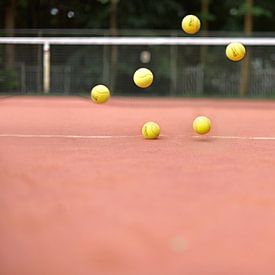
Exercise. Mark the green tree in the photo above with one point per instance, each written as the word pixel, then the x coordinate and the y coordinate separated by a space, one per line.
pixel 10 11
pixel 248 10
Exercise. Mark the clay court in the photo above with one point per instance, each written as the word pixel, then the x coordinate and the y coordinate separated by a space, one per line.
pixel 81 192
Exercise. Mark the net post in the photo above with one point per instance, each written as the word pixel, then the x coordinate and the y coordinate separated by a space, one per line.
pixel 46 67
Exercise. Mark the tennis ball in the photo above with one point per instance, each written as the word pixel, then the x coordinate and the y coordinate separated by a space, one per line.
pixel 202 125
pixel 150 130
pixel 100 94
pixel 191 24
pixel 235 51
pixel 143 78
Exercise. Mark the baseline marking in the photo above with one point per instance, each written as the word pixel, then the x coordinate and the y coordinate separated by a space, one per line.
pixel 64 136
pixel 136 136
pixel 238 137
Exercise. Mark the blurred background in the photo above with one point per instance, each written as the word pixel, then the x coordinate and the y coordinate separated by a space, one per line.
pixel 197 71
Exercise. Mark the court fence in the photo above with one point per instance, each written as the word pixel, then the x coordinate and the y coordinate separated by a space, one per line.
pixel 182 66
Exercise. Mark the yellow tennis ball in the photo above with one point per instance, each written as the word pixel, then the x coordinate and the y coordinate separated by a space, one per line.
pixel 202 125
pixel 150 130
pixel 100 94
pixel 235 51
pixel 143 78
pixel 191 24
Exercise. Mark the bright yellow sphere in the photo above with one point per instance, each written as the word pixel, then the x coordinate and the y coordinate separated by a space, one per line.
pixel 143 78
pixel 191 24
pixel 150 130
pixel 202 125
pixel 235 51
pixel 100 94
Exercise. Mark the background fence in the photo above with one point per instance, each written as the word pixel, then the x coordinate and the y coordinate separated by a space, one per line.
pixel 179 69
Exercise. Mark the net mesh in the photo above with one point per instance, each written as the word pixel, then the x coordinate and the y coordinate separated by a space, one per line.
pixel 179 70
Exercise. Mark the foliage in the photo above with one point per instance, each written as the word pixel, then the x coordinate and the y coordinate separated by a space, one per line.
pixel 256 11
pixel 8 79
pixel 153 14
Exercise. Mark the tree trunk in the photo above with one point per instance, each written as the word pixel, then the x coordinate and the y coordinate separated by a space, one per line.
pixel 204 12
pixel 245 66
pixel 114 49
pixel 34 11
pixel 9 29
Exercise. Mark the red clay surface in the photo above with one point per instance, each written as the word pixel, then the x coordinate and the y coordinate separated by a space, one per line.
pixel 128 206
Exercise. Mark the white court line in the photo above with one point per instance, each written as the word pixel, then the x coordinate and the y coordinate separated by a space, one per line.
pixel 238 137
pixel 63 136
pixel 118 137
